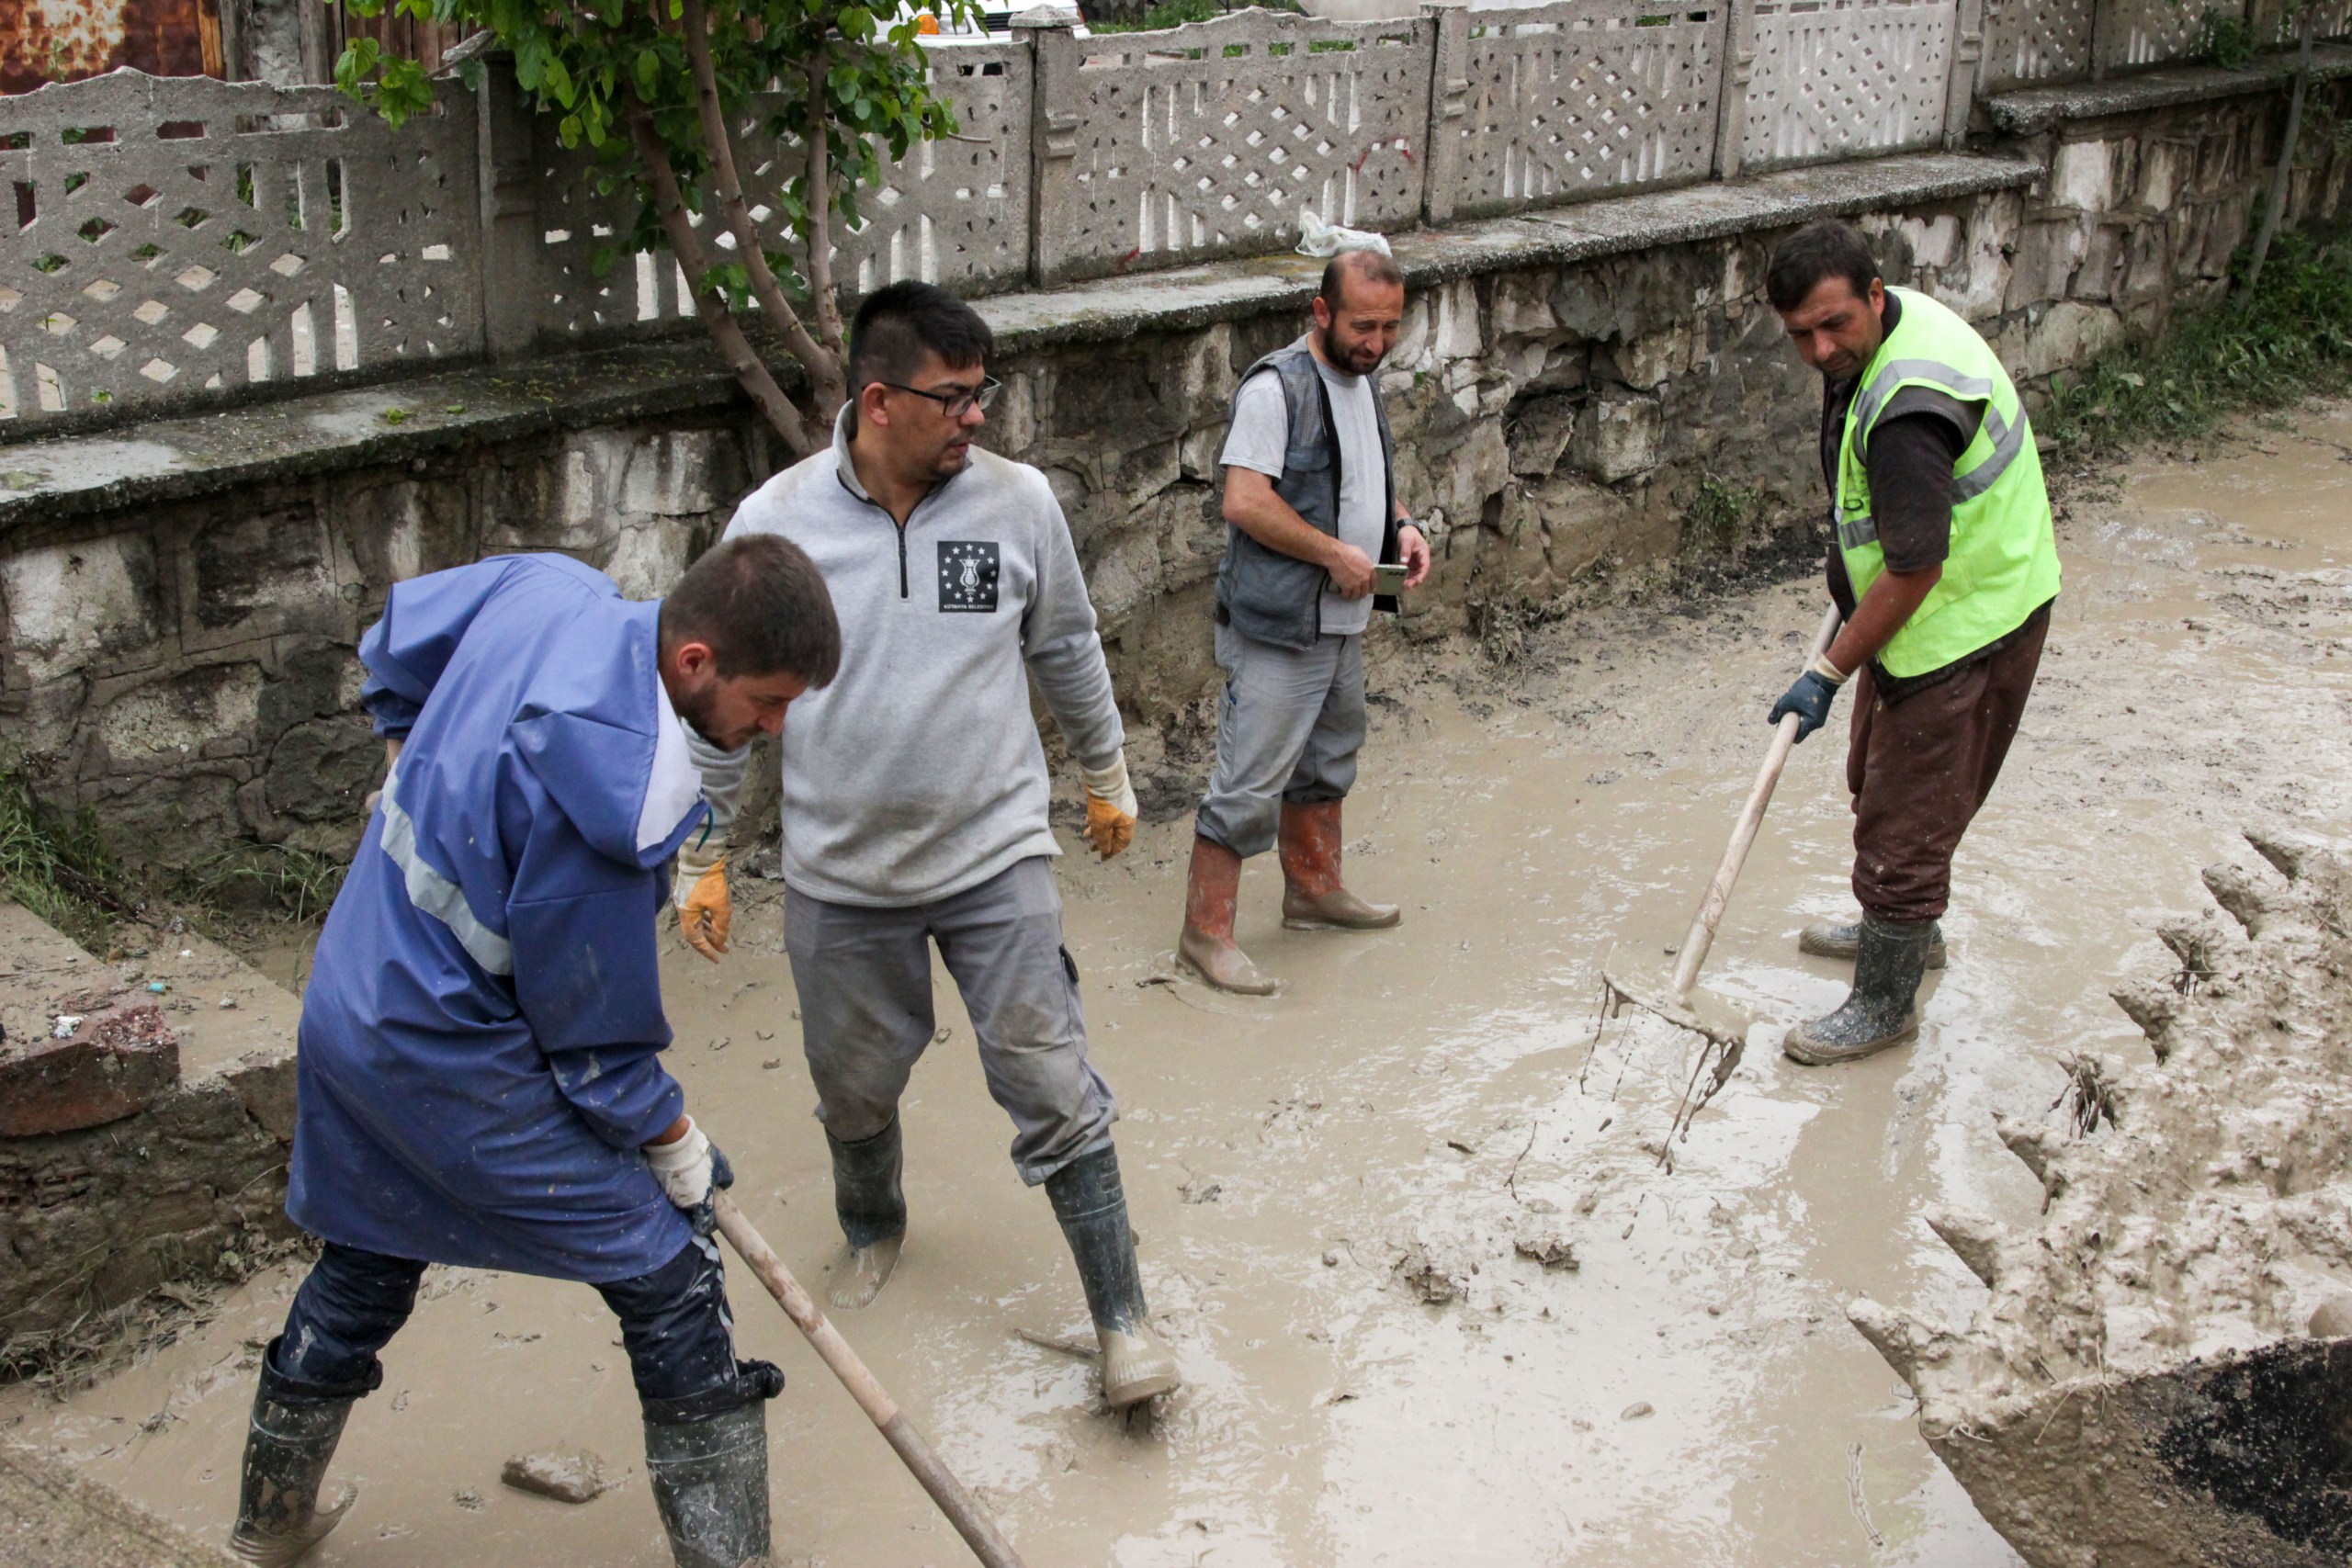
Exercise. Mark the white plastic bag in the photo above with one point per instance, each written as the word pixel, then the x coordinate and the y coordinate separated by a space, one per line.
pixel 1317 238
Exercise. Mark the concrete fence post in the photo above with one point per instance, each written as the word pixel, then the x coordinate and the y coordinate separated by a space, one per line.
pixel 1967 50
pixel 510 241
pixel 1449 101
pixel 1736 59
pixel 1056 57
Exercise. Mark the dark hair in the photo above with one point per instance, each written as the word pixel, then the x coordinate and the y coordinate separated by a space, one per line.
pixel 762 605
pixel 1822 249
pixel 1366 265
pixel 901 323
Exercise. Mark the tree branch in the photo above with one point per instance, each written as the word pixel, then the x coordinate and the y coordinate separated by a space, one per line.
pixel 817 188
pixel 686 245
pixel 823 365
pixel 2282 182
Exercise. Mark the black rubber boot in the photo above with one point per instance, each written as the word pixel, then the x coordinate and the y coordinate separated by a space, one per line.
pixel 289 1442
pixel 872 1213
pixel 1836 939
pixel 710 1486
pixel 1890 959
pixel 1091 1205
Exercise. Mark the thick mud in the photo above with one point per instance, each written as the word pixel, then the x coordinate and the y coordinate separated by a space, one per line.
pixel 1689 1391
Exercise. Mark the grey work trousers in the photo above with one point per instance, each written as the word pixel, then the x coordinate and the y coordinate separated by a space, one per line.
pixel 1289 728
pixel 864 978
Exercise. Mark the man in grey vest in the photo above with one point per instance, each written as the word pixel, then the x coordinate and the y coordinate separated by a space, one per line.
pixel 1311 498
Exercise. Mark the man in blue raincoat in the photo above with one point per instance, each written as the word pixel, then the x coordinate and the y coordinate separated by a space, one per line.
pixel 479 1074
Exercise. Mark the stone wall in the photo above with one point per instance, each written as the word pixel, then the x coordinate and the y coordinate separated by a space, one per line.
pixel 186 667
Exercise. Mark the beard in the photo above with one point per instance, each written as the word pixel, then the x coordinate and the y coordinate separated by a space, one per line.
pixel 1356 358
pixel 699 709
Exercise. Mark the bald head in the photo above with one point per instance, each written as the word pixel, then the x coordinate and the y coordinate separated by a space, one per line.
pixel 1356 270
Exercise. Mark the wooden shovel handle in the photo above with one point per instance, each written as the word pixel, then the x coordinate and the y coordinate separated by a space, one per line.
pixel 1701 935
pixel 979 1532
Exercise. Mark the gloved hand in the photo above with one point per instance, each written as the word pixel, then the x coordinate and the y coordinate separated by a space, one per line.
pixel 700 890
pixel 1810 698
pixel 1110 806
pixel 689 1170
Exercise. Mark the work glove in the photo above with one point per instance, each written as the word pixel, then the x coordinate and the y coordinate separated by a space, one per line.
pixel 698 888
pixel 691 1171
pixel 1810 698
pixel 1110 806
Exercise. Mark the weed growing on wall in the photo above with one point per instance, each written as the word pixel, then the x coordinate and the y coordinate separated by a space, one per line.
pixel 60 871
pixel 2290 339
pixel 296 885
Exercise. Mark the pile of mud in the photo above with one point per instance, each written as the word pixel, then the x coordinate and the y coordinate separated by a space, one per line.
pixel 2163 1375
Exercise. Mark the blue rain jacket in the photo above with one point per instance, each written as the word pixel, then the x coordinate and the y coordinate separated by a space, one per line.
pixel 479 1046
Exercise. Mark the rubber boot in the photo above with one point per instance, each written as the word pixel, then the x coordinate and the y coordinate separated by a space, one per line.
pixel 290 1438
pixel 1313 900
pixel 1212 887
pixel 1889 960
pixel 710 1486
pixel 1836 939
pixel 872 1213
pixel 1092 1208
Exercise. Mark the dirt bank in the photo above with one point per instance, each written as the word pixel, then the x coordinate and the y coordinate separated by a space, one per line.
pixel 1434 1093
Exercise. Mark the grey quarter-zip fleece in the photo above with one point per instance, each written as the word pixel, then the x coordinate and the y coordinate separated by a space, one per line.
pixel 919 773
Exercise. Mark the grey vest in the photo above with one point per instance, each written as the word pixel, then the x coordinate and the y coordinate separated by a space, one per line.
pixel 1273 597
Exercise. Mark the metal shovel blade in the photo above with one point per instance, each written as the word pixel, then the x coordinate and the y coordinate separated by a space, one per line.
pixel 1700 1011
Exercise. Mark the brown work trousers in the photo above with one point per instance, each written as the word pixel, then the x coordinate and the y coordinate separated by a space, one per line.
pixel 1921 768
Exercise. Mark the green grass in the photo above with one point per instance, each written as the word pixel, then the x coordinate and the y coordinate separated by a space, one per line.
pixel 60 871
pixel 2291 340
pixel 293 883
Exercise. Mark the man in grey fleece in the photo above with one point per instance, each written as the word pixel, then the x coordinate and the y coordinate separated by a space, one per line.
pixel 915 794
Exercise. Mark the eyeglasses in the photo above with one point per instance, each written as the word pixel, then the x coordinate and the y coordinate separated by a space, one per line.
pixel 956 405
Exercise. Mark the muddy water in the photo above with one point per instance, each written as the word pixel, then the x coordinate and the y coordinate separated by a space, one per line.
pixel 1689 1392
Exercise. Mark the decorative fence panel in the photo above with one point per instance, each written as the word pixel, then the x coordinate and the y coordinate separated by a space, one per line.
pixel 1206 139
pixel 1589 98
pixel 956 212
pixel 2141 33
pixel 1852 79
pixel 179 235
pixel 2029 42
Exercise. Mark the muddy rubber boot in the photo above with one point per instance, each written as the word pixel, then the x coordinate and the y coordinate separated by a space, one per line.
pixel 1092 1208
pixel 1839 939
pixel 872 1213
pixel 710 1486
pixel 1212 887
pixel 1891 957
pixel 289 1441
pixel 1313 899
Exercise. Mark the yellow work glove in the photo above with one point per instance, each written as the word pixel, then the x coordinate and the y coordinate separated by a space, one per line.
pixel 700 890
pixel 1110 808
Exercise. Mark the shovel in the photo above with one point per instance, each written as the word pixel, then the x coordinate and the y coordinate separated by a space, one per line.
pixel 1679 999
pixel 979 1532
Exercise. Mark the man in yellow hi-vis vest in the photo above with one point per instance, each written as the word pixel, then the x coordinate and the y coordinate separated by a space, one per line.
pixel 1944 565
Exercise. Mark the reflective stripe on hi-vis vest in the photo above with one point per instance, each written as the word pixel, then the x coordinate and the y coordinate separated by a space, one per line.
pixel 2003 563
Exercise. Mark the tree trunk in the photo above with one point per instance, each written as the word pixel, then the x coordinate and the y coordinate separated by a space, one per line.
pixel 822 361
pixel 2282 182
pixel 725 330
pixel 818 187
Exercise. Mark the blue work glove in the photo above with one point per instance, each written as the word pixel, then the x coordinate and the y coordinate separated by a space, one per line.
pixel 704 1216
pixel 1809 699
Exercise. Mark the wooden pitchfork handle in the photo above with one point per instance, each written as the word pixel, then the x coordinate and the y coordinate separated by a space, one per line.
pixel 979 1532
pixel 1701 935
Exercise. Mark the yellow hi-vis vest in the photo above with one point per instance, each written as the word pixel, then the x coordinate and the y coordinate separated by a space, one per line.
pixel 2003 563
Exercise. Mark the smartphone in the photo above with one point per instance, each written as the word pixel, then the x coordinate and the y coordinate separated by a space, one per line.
pixel 1388 579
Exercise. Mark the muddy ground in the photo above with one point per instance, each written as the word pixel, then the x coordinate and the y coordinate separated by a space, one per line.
pixel 1688 1391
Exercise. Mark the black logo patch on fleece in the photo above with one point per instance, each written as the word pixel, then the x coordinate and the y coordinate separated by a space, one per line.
pixel 968 575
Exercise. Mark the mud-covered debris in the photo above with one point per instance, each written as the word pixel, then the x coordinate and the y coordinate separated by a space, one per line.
pixel 1548 1247
pixel 1426 1277
pixel 1200 1190
pixel 1636 1410
pixel 576 1477
pixel 2160 1373
pixel 471 1499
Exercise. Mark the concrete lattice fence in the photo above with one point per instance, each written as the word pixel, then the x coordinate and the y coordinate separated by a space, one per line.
pixel 182 240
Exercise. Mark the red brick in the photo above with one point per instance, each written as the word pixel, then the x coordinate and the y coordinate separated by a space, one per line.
pixel 119 1060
